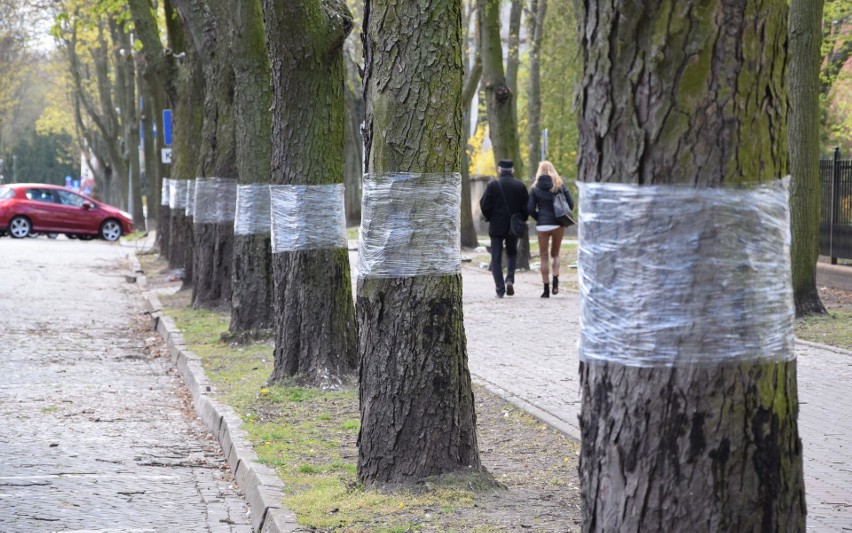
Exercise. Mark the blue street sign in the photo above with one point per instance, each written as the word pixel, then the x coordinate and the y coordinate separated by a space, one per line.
pixel 167 127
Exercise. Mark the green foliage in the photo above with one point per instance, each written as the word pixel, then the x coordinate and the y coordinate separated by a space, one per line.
pixel 835 76
pixel 560 70
pixel 43 158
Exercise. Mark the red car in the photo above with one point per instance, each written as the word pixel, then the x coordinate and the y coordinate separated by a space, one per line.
pixel 34 207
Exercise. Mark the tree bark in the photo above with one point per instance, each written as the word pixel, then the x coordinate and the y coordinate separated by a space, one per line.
pixel 804 83
pixel 315 318
pixel 417 408
pixel 251 273
pixel 689 92
pixel 535 30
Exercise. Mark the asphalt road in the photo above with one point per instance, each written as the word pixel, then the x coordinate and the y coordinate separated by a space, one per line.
pixel 95 434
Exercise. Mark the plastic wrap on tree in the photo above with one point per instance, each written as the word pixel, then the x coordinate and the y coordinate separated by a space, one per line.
pixel 410 225
pixel 215 200
pixel 675 275
pixel 307 217
pixel 253 214
pixel 177 194
pixel 165 192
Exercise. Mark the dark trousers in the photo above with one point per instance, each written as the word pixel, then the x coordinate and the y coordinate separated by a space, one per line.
pixel 497 261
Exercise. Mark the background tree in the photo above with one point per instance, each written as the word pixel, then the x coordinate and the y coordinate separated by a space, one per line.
pixel 805 42
pixel 315 319
pixel 715 445
pixel 535 31
pixel 159 73
pixel 417 409
pixel 252 281
pixel 188 120
pixel 353 155
pixel 472 76
pixel 213 241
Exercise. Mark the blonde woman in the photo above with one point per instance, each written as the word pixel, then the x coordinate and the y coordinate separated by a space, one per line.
pixel 550 232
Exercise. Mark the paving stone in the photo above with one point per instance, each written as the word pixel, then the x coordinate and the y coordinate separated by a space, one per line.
pixel 95 434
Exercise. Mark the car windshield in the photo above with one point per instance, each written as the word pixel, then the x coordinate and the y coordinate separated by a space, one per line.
pixel 69 198
pixel 6 193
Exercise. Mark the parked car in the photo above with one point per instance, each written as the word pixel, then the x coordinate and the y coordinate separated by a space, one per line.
pixel 39 208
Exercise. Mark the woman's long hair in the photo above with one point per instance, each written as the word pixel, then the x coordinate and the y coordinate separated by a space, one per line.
pixel 546 168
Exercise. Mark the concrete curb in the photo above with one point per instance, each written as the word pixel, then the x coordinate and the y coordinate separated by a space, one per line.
pixel 538 413
pixel 263 491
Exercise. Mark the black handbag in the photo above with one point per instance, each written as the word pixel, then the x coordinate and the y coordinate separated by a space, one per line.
pixel 562 210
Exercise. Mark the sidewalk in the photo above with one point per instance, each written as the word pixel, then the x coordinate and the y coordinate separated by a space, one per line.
pixel 524 348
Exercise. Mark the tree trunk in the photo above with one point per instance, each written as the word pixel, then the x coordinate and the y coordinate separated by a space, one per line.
pixel 473 73
pixel 315 318
pixel 188 119
pixel 212 238
pixel 535 31
pixel 502 129
pixel 417 407
pixel 251 271
pixel 707 446
pixel 353 140
pixel 513 62
pixel 805 43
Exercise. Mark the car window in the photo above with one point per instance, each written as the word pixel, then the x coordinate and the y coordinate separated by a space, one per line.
pixel 41 195
pixel 6 193
pixel 69 198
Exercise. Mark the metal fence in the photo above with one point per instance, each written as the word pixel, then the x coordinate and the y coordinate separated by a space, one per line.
pixel 835 223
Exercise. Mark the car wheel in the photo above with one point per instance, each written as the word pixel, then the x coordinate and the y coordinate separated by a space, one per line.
pixel 52 235
pixel 111 230
pixel 71 236
pixel 19 227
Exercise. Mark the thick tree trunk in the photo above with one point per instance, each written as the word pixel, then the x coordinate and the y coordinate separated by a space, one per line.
pixel 315 319
pixel 251 271
pixel 713 447
pixel 212 242
pixel 805 42
pixel 188 119
pixel 535 30
pixel 417 408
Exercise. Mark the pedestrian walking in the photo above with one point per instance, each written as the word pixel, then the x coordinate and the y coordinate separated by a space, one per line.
pixel 504 199
pixel 549 227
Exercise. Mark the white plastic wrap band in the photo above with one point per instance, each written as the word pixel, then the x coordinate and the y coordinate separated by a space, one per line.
pixel 410 225
pixel 674 276
pixel 252 215
pixel 165 192
pixel 307 217
pixel 190 198
pixel 177 194
pixel 215 200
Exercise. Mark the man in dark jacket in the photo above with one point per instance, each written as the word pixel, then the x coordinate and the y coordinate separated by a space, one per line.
pixel 504 197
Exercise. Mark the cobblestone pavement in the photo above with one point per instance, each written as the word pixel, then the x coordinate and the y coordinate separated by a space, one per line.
pixel 525 349
pixel 94 432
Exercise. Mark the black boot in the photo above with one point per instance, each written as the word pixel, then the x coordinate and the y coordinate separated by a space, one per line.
pixel 546 293
pixel 555 284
